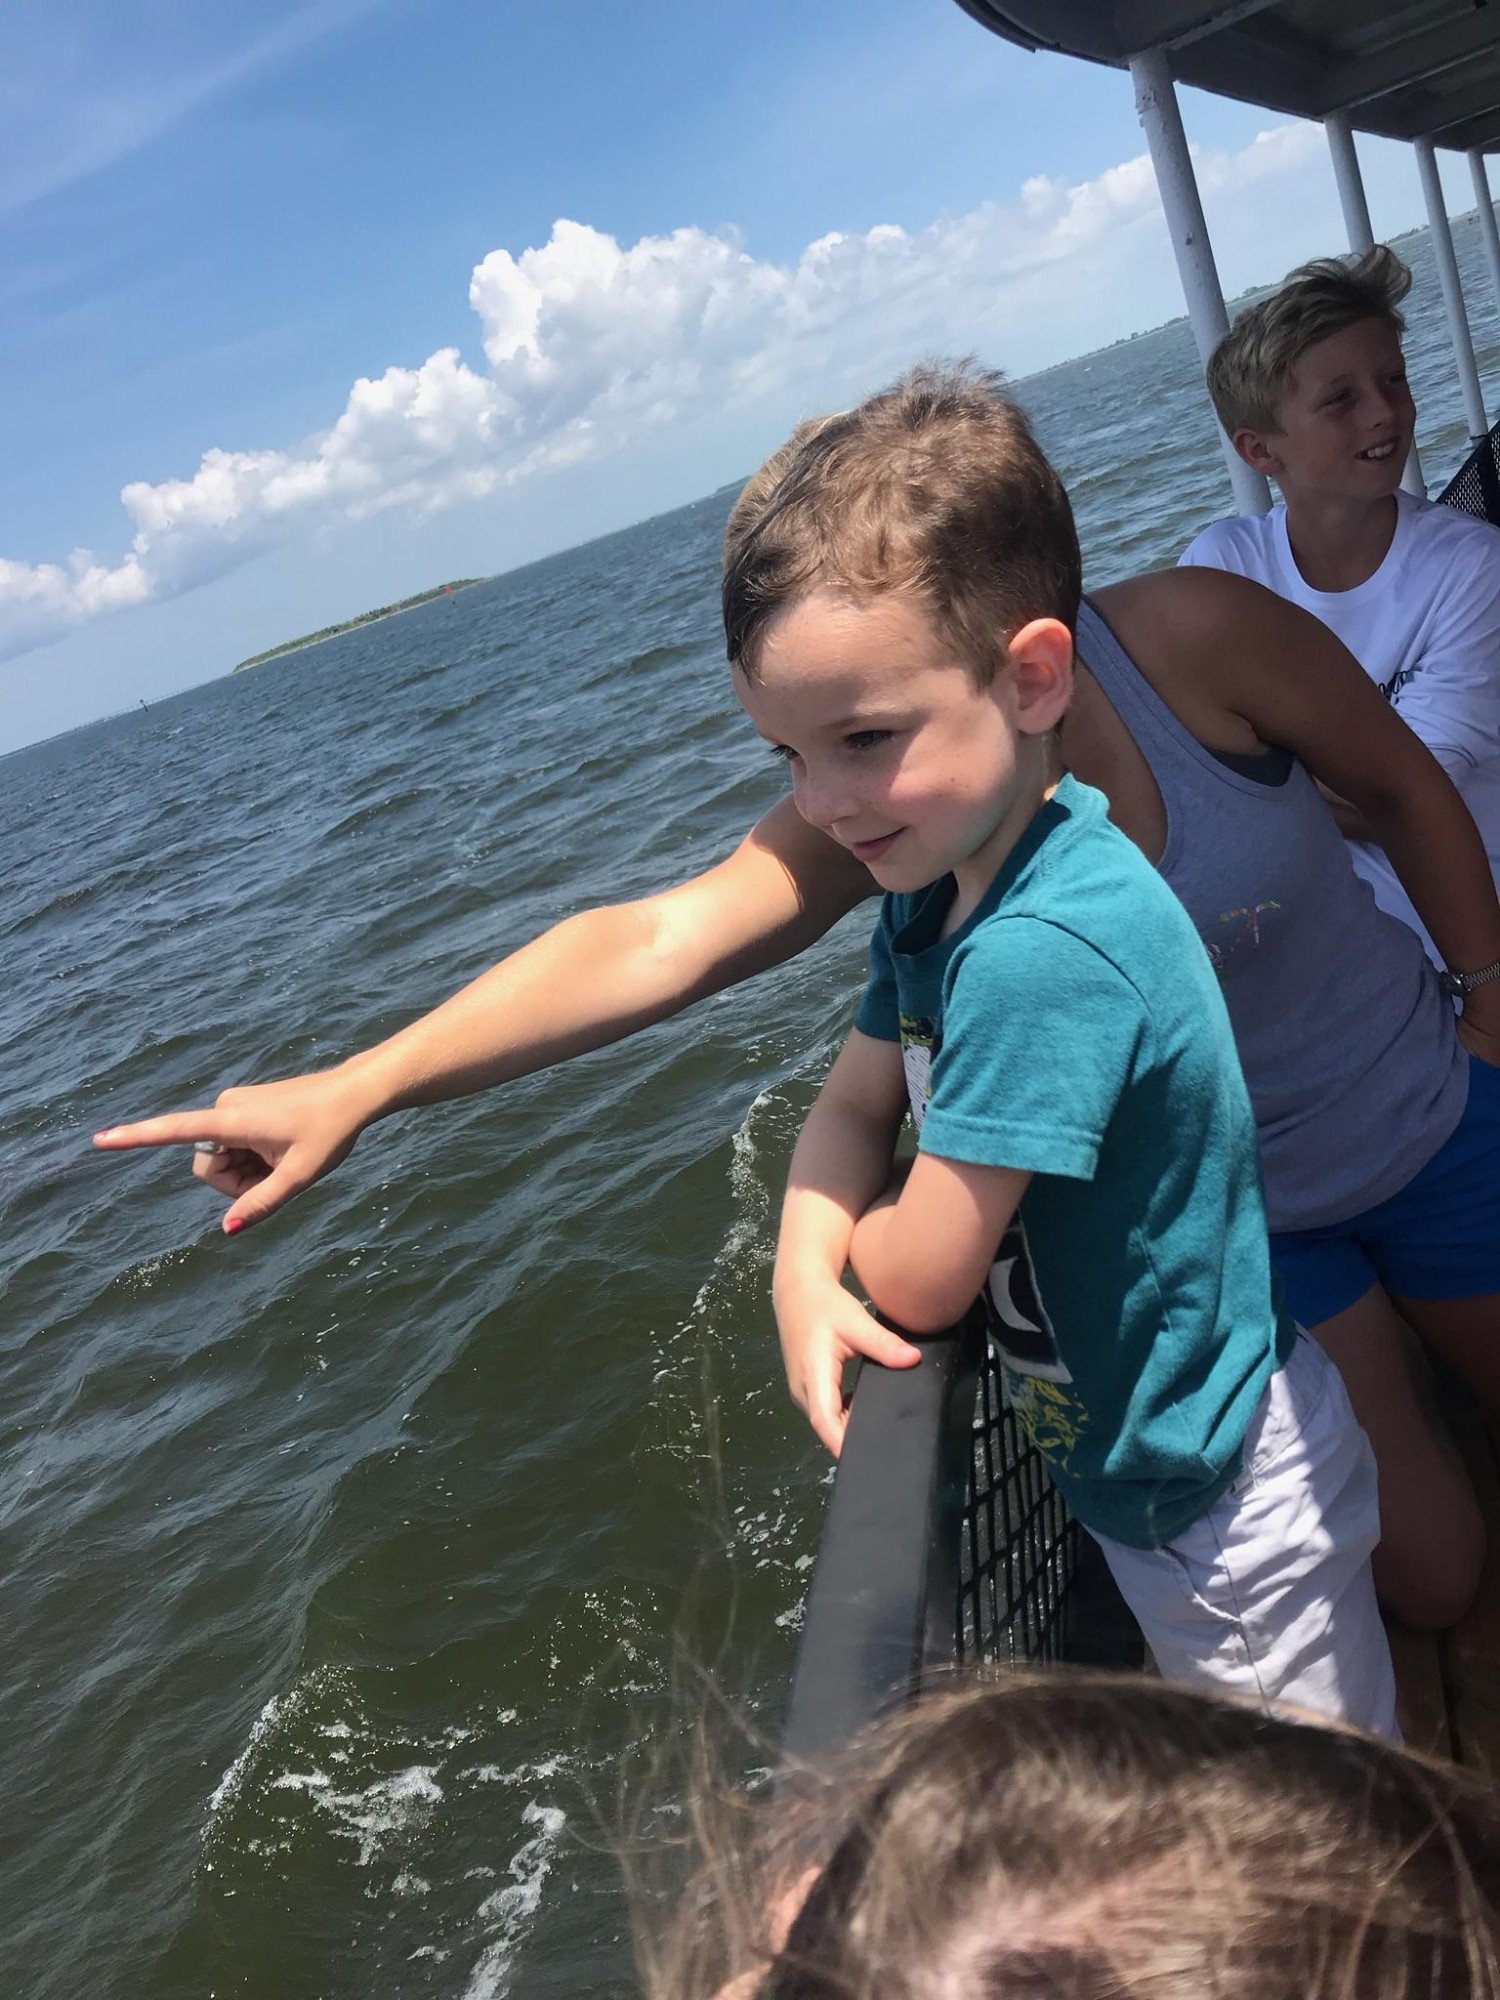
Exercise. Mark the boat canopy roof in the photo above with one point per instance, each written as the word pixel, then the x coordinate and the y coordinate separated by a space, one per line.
pixel 1418 69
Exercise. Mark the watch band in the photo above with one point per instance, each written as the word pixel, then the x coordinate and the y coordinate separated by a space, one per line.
pixel 1460 983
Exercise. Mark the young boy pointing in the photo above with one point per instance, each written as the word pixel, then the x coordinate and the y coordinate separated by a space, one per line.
pixel 900 588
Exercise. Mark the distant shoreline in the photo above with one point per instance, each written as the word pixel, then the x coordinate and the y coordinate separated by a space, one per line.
pixel 365 618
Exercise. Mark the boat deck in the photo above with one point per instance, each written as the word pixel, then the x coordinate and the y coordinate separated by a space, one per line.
pixel 1450 1682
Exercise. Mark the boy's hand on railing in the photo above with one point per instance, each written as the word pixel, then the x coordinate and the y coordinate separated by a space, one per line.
pixel 822 1326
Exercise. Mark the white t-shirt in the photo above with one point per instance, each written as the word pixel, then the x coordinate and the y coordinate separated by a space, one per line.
pixel 1425 628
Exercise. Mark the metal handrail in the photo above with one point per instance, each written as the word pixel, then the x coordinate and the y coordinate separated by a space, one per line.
pixel 880 1611
pixel 945 1543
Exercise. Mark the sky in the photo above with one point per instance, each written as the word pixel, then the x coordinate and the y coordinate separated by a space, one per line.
pixel 306 305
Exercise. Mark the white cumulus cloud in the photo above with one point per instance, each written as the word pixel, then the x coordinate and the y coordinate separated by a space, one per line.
pixel 589 346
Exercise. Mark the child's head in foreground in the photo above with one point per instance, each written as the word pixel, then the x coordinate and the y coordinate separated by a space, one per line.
pixel 901 583
pixel 1310 384
pixel 1102 1838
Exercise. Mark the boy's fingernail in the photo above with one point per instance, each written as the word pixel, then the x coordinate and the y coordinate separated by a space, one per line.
pixel 233 1224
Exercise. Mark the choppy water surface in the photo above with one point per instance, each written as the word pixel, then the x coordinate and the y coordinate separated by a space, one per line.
pixel 339 1564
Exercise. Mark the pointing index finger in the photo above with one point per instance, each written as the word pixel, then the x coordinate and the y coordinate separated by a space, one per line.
pixel 177 1128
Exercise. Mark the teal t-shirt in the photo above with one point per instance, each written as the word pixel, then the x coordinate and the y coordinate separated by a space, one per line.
pixel 1073 1027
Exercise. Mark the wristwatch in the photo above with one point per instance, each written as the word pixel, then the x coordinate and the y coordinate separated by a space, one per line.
pixel 1461 984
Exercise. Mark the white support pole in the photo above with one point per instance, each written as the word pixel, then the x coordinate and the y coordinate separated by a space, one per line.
pixel 1486 208
pixel 1350 183
pixel 1356 209
pixel 1156 104
pixel 1453 291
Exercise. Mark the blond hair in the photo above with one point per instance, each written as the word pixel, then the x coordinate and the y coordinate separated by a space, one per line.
pixel 1249 370
pixel 935 488
pixel 1091 1837
pixel 755 495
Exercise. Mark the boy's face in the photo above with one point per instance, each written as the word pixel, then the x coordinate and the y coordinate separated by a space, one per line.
pixel 894 751
pixel 1346 419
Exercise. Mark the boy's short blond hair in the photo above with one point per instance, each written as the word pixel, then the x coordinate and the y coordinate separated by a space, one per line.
pixel 1249 370
pixel 935 488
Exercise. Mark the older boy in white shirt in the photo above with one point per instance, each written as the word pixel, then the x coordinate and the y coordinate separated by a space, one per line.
pixel 1311 387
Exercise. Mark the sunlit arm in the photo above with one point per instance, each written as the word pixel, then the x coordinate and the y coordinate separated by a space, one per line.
pixel 842 1159
pixel 607 972
pixel 1416 814
pixel 1296 684
pixel 1311 695
pixel 924 1258
pixel 587 981
pixel 841 1165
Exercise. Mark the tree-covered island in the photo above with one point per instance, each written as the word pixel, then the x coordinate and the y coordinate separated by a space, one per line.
pixel 364 618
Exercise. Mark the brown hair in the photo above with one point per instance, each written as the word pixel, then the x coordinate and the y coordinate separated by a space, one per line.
pixel 1062 1837
pixel 1250 368
pixel 935 487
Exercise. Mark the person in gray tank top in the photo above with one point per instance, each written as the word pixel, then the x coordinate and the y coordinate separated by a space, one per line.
pixel 1379 1115
pixel 1342 1028
pixel 1366 1092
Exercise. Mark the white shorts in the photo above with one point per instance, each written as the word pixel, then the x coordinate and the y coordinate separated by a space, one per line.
pixel 1270 1593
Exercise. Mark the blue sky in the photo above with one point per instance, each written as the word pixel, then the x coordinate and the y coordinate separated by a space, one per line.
pixel 215 222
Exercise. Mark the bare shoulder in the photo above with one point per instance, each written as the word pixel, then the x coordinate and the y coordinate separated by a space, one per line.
pixel 1228 656
pixel 1192 617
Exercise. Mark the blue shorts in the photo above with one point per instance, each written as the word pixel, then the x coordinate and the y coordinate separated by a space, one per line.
pixel 1439 1238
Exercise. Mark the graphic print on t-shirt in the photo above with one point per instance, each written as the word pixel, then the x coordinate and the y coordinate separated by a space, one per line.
pixel 1402 677
pixel 918 1045
pixel 1018 1323
pixel 1235 934
pixel 1031 1361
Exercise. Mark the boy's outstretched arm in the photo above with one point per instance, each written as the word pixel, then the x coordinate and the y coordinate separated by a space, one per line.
pixel 590 980
pixel 924 1258
pixel 841 1165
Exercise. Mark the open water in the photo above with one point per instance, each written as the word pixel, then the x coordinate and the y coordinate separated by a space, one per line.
pixel 339 1564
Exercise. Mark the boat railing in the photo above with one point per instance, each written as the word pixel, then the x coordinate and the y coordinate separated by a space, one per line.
pixel 1475 487
pixel 945 1544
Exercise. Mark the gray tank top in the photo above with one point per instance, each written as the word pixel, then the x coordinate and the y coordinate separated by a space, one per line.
pixel 1348 1044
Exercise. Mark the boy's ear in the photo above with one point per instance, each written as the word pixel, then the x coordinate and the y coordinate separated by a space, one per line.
pixel 1258 450
pixel 1041 674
